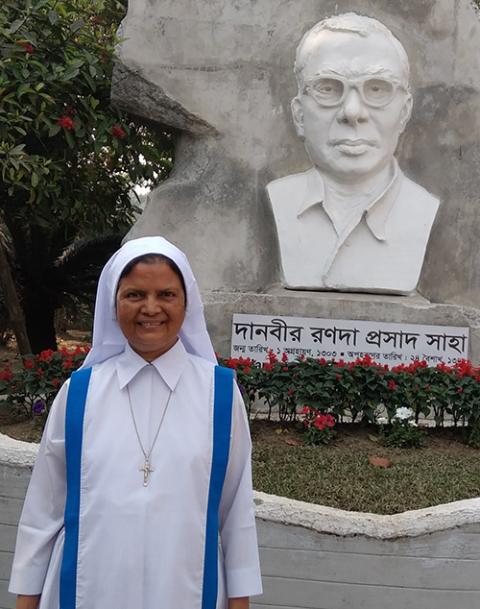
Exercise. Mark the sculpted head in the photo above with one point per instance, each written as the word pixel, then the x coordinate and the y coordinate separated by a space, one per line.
pixel 353 99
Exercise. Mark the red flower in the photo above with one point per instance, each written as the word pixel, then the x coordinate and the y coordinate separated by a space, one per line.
pixel 46 356
pixel 6 375
pixel 284 358
pixel 320 422
pixel 65 122
pixel 55 382
pixel 330 420
pixel 67 364
pixel 118 132
pixel 272 358
pixel 392 385
pixel 247 370
pixel 306 410
pixel 25 45
pixel 290 392
pixel 268 367
pixel 459 389
pixel 28 363
pixel 285 368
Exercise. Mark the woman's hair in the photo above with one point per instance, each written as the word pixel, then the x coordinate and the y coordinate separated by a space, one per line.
pixel 151 259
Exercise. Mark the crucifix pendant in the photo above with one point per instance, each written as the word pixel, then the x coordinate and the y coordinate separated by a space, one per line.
pixel 146 469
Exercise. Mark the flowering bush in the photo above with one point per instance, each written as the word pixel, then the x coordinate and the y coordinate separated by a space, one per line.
pixel 354 391
pixel 32 387
pixel 318 426
pixel 403 431
pixel 68 157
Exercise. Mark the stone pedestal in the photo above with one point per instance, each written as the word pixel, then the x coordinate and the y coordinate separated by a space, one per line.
pixel 220 307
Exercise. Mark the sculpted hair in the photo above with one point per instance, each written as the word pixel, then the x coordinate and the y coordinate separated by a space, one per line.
pixel 151 259
pixel 350 23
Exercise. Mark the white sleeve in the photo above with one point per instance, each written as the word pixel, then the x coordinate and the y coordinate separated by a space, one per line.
pixel 237 511
pixel 43 510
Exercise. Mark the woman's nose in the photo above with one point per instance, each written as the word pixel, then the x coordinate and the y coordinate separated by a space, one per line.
pixel 353 109
pixel 151 305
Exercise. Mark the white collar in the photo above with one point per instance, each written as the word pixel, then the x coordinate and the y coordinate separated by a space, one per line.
pixel 377 211
pixel 169 365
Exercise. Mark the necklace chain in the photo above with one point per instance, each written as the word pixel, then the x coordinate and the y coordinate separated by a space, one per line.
pixel 146 469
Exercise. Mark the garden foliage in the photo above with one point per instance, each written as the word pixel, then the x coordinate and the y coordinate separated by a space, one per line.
pixel 30 389
pixel 356 391
pixel 68 159
pixel 312 388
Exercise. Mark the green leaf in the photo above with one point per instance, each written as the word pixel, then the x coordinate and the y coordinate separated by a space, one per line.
pixel 54 129
pixel 70 140
pixel 77 25
pixel 35 180
pixel 16 25
pixel 17 149
pixel 25 88
pixel 53 17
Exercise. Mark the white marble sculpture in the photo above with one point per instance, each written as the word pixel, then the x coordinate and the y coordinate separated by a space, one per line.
pixel 353 221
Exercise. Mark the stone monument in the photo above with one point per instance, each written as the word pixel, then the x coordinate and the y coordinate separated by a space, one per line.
pixel 219 74
pixel 354 204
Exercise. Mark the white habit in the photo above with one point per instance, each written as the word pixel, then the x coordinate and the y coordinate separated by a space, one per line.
pixel 141 547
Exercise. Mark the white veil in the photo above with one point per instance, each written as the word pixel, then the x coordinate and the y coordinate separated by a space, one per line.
pixel 108 339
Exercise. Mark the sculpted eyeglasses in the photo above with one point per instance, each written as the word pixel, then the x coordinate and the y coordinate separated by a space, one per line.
pixel 331 91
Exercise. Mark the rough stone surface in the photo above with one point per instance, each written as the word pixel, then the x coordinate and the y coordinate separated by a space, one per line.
pixel 15 452
pixel 220 72
pixel 343 523
pixel 220 307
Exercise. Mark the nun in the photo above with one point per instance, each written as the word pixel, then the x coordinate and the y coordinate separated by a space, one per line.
pixel 141 494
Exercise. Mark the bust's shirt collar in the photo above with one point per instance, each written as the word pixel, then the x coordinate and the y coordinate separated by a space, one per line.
pixel 169 366
pixel 376 212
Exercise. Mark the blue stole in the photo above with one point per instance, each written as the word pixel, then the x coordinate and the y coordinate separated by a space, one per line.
pixel 222 421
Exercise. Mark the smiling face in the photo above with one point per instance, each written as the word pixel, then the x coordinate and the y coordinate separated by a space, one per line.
pixel 150 308
pixel 348 133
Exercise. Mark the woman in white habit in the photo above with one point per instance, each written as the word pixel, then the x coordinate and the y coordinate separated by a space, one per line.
pixel 144 464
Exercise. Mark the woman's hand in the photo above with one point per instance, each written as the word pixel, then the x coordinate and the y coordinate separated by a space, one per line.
pixel 25 601
pixel 239 603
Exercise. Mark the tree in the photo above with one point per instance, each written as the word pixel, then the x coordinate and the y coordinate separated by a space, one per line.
pixel 68 159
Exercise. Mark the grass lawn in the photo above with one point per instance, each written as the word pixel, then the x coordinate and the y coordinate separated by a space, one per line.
pixel 341 476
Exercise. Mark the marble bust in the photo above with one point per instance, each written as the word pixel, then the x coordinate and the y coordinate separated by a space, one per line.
pixel 353 221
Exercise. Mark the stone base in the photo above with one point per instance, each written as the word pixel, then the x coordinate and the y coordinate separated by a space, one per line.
pixel 220 307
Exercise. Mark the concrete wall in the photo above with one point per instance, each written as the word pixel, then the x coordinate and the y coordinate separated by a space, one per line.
pixel 303 569
pixel 321 558
pixel 220 73
pixel 13 486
